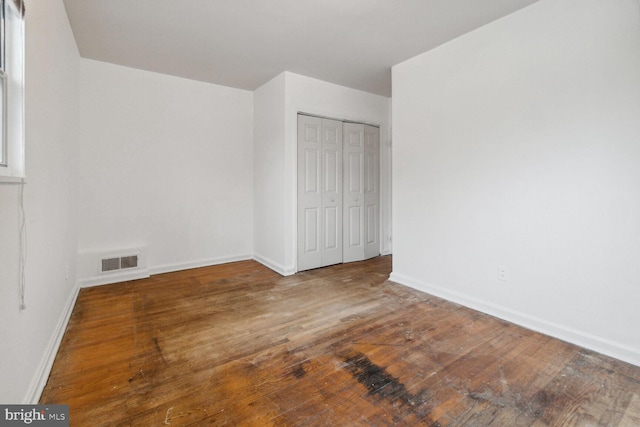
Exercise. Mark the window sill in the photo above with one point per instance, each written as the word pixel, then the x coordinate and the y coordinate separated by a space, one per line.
pixel 11 180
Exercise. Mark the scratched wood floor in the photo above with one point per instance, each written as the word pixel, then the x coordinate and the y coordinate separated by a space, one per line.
pixel 239 345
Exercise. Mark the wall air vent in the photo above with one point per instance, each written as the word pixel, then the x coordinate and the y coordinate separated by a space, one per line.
pixel 110 264
pixel 130 261
pixel 119 263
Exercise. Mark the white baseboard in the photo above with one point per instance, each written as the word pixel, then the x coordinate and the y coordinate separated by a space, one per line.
pixel 169 268
pixel 107 279
pixel 143 273
pixel 564 333
pixel 278 268
pixel 41 376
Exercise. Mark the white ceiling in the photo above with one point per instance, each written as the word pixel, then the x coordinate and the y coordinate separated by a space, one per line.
pixel 245 43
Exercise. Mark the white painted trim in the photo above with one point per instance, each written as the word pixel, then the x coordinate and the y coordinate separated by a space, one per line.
pixel 11 180
pixel 40 378
pixel 169 268
pixel 583 339
pixel 281 270
pixel 143 273
pixel 116 277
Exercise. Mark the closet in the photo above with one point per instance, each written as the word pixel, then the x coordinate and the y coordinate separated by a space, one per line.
pixel 338 192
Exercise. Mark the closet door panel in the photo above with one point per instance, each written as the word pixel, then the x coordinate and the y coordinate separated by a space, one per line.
pixel 353 236
pixel 372 191
pixel 310 237
pixel 332 191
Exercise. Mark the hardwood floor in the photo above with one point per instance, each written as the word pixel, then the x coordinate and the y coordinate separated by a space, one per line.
pixel 237 344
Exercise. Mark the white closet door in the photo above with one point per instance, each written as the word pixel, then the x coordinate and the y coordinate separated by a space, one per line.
pixel 319 192
pixel 354 203
pixel 371 191
pixel 309 192
pixel 332 191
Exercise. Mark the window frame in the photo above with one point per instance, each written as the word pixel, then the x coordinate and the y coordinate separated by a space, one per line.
pixel 3 121
pixel 3 87
pixel 12 85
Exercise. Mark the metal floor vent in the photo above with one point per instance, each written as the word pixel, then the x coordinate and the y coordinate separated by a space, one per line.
pixel 119 263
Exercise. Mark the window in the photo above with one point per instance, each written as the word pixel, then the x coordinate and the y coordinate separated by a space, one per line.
pixel 12 88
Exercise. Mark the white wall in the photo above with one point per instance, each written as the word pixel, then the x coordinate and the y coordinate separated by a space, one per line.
pixel 277 104
pixel 166 164
pixel 519 145
pixel 269 180
pixel 28 337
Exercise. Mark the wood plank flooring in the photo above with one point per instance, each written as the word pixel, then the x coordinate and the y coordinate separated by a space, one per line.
pixel 237 344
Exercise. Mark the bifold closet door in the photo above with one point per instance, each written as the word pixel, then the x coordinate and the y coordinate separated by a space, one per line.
pixel 371 175
pixel 320 166
pixel 361 214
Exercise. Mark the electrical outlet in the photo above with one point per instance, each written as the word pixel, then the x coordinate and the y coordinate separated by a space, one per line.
pixel 502 273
